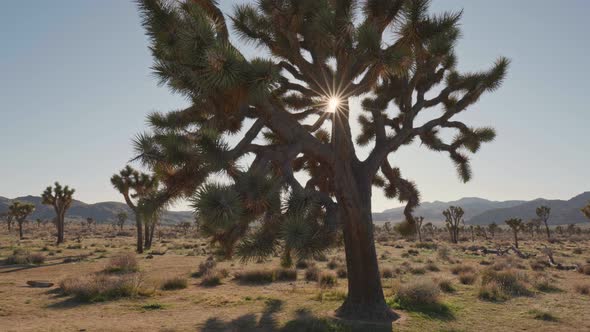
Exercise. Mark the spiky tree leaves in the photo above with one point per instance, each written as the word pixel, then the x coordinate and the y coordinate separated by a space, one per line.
pixel 20 211
pixel 543 212
pixel 60 198
pixel 137 188
pixel 516 225
pixel 292 113
pixel 453 221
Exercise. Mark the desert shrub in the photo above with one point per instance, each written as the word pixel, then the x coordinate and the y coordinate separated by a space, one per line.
pixel 301 265
pixel 583 289
pixel 485 262
pixel 327 280
pixel 102 287
pixel 204 267
pixel 417 293
pixel 444 253
pixel 538 265
pixel 417 270
pixel 502 285
pixel 341 272
pixel 427 245
pixel 37 258
pixel 578 251
pixel 122 263
pixel 386 272
pixel 544 283
pixel 457 269
pixel 312 274
pixel 446 286
pixel 177 282
pixel 211 278
pixel 285 274
pixel 543 315
pixel 321 258
pixel 74 246
pixel 257 276
pixel 22 257
pixel 585 269
pixel 431 266
pixel 332 264
pixel 467 277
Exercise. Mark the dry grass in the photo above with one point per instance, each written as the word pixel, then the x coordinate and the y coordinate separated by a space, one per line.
pixel 122 263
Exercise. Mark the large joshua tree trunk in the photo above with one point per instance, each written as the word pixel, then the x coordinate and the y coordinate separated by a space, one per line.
pixel 138 224
pixel 146 240
pixel 60 227
pixel 20 230
pixel 365 299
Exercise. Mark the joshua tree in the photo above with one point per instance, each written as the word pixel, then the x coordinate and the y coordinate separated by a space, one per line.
pixel 297 104
pixel 20 211
pixel 418 223
pixel 89 222
pixel 61 199
pixel 516 225
pixel 387 227
pixel 586 210
pixel 428 228
pixel 493 228
pixel 184 226
pixel 543 212
pixel 454 220
pixel 134 185
pixel 481 231
pixel 151 207
pixel 121 218
pixel 39 221
pixel 530 227
pixel 8 218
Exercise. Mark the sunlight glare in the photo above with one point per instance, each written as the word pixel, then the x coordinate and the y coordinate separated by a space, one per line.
pixel 333 104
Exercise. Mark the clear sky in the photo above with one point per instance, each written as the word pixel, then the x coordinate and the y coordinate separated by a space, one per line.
pixel 75 86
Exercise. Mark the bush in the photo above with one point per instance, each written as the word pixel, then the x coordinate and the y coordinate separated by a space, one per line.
pixel 431 266
pixel 327 280
pixel 341 272
pixel 444 253
pixel 427 245
pixel 285 274
pixel 122 263
pixel 301 265
pixel 417 270
pixel 386 272
pixel 23 257
pixel 178 282
pixel 101 287
pixel 502 285
pixel 467 277
pixel 538 265
pixel 211 278
pixel 332 264
pixel 204 267
pixel 258 276
pixel 583 289
pixel 585 269
pixel 543 315
pixel 417 293
pixel 446 286
pixel 312 274
pixel 457 269
pixel 544 283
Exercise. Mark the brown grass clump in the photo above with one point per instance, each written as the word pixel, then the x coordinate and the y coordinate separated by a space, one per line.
pixel 457 269
pixel 341 272
pixel 446 286
pixel 122 263
pixel 257 276
pixel 585 269
pixel 101 287
pixel 211 278
pixel 467 277
pixel 23 257
pixel 177 282
pixel 204 267
pixel 327 280
pixel 284 274
pixel 386 272
pixel 312 274
pixel 544 283
pixel 417 293
pixel 583 289
pixel 502 285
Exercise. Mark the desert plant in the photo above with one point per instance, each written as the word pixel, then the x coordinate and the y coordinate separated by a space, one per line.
pixel 582 288
pixel 327 279
pixel 122 263
pixel 493 228
pixel 502 285
pixel 121 219
pixel 349 58
pixel 137 186
pixel 211 278
pixel 285 274
pixel 101 287
pixel 20 211
pixel 516 225
pixel 386 272
pixel 418 223
pixel 312 273
pixel 586 210
pixel 467 277
pixel 446 285
pixel 457 269
pixel 256 276
pixel 543 212
pixel 453 221
pixel 60 198
pixel 177 282
pixel 418 292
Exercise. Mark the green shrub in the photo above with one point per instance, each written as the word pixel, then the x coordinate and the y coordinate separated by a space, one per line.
pixel 178 282
pixel 502 285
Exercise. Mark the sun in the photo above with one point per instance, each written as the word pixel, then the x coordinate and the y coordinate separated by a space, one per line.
pixel 333 104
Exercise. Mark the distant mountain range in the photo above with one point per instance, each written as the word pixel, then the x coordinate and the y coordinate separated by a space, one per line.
pixel 103 212
pixel 479 211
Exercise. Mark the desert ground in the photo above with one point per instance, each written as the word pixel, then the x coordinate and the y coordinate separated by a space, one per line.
pixel 175 287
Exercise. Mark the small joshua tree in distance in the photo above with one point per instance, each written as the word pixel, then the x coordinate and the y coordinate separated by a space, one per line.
pixel 121 218
pixel 586 210
pixel 516 225
pixel 60 198
pixel 543 212
pixel 20 211
pixel 418 223
pixel 453 221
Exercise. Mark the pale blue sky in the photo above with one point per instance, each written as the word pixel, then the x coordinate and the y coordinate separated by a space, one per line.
pixel 75 86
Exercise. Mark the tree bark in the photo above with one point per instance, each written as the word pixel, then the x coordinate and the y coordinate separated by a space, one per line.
pixel 146 240
pixel 20 230
pixel 138 224
pixel 365 299
pixel 548 232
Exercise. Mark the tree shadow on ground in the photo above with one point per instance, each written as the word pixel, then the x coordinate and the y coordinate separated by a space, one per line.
pixel 305 321
pixel 440 311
